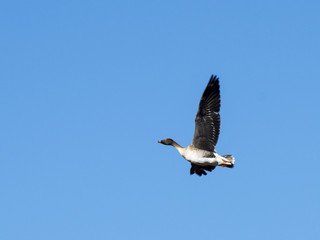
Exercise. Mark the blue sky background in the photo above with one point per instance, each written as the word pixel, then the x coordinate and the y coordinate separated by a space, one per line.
pixel 88 87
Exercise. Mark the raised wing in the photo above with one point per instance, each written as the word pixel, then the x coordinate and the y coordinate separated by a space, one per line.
pixel 207 121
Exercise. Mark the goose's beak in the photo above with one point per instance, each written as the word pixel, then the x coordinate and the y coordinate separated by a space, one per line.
pixel 159 141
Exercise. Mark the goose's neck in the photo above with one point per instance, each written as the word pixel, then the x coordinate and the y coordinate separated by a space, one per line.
pixel 178 147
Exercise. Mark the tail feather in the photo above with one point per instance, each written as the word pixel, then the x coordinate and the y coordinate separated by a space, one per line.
pixel 231 159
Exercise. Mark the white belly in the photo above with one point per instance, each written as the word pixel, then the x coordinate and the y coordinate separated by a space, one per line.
pixel 197 157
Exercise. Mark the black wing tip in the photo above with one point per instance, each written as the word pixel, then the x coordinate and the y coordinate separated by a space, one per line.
pixel 213 78
pixel 214 82
pixel 213 86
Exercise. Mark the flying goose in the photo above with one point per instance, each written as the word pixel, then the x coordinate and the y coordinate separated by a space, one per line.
pixel 201 152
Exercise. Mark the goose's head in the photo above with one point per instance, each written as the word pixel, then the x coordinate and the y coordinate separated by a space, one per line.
pixel 167 141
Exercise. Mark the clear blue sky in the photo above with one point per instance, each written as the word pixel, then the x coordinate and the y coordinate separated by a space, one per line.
pixel 88 87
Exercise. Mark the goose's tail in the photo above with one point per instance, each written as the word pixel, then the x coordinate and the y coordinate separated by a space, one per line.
pixel 231 159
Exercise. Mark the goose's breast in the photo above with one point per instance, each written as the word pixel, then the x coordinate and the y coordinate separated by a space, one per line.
pixel 192 155
pixel 199 156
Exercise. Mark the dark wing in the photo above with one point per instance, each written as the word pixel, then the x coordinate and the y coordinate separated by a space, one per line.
pixel 199 170
pixel 207 128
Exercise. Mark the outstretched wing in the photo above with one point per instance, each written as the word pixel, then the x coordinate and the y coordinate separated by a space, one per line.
pixel 207 121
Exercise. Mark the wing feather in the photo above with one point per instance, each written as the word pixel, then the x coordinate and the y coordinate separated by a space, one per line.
pixel 207 122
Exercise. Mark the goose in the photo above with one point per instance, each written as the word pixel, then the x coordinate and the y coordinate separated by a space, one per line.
pixel 201 152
